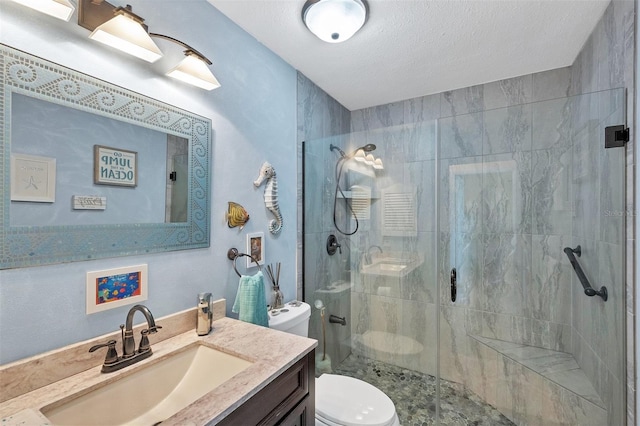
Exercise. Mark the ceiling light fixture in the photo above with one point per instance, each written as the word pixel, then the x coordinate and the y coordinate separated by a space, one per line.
pixel 334 21
pixel 61 9
pixel 121 28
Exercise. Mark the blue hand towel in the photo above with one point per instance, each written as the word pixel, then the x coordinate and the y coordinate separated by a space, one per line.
pixel 251 303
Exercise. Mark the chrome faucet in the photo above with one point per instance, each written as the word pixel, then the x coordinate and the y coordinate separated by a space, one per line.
pixel 130 355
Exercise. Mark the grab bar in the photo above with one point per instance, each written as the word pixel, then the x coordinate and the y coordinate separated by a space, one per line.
pixel 588 290
pixel 234 254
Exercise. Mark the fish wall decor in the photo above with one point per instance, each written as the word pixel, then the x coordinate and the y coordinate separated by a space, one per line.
pixel 236 215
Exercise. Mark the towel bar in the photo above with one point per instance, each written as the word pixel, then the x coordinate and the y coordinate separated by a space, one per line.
pixel 234 254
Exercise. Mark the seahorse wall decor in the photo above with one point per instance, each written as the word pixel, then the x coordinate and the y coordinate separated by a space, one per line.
pixel 268 174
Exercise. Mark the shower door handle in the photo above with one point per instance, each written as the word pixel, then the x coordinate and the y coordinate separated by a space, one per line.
pixel 454 284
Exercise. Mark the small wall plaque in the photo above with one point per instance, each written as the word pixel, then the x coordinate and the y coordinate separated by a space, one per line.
pixel 113 166
pixel 33 178
pixel 112 288
pixel 89 202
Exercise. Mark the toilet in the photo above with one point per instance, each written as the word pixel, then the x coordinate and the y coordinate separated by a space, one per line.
pixel 340 400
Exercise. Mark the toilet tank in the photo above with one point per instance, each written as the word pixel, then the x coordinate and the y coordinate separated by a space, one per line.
pixel 292 318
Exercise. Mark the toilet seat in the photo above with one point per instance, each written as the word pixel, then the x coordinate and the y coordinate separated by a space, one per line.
pixel 346 401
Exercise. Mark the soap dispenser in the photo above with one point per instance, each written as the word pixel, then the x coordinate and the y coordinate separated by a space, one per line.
pixel 205 314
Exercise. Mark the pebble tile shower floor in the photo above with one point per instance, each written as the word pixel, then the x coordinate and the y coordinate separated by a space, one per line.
pixel 414 394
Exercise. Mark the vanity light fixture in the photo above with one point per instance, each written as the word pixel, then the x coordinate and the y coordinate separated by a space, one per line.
pixel 61 9
pixel 121 28
pixel 126 32
pixel 334 21
pixel 194 68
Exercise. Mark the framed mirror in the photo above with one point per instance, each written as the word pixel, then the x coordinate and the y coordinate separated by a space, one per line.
pixel 92 170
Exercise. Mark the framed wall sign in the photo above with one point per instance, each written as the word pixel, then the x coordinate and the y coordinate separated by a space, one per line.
pixel 113 166
pixel 255 247
pixel 33 178
pixel 112 288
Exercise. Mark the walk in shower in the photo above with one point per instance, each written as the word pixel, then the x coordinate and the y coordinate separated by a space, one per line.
pixel 449 263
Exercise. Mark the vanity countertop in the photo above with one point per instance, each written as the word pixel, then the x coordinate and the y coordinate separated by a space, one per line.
pixel 271 352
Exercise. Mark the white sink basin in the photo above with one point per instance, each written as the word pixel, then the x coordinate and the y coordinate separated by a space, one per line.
pixel 152 393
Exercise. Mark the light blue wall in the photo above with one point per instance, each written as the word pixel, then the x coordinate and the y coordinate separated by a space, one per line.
pixel 253 118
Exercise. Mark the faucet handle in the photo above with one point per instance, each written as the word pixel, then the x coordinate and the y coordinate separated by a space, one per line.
pixel 144 341
pixel 112 353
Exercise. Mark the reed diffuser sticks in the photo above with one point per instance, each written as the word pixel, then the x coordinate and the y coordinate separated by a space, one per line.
pixel 276 302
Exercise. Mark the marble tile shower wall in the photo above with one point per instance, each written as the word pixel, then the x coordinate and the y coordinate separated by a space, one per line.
pixel 607 62
pixel 598 227
pixel 509 183
pixel 504 229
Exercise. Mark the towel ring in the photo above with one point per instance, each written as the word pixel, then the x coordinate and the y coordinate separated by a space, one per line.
pixel 234 254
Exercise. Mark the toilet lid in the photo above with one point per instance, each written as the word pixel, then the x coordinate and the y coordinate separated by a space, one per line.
pixel 352 402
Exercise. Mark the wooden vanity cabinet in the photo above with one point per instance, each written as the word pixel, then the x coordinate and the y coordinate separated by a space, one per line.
pixel 289 400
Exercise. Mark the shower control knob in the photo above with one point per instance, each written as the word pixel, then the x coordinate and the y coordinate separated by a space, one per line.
pixel 333 245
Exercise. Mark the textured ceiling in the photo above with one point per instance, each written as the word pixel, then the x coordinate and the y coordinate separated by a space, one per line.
pixel 410 48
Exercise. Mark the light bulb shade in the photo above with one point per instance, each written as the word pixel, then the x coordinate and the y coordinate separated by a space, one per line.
pixel 378 164
pixel 334 21
pixel 61 9
pixel 124 33
pixel 196 72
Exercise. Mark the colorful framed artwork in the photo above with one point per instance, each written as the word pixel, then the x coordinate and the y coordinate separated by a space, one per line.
pixel 255 247
pixel 112 288
pixel 33 178
pixel 113 166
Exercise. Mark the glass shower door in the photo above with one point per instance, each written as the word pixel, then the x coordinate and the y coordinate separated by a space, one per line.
pixel 382 280
pixel 518 185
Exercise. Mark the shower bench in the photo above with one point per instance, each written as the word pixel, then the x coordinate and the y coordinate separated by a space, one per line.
pixel 540 386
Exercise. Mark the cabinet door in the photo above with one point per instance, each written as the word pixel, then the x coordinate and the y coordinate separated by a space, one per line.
pixel 302 415
pixel 273 404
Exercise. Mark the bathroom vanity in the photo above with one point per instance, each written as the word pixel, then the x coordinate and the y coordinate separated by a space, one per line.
pixel 275 384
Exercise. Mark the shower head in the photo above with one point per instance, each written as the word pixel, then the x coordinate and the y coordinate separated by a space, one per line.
pixel 368 147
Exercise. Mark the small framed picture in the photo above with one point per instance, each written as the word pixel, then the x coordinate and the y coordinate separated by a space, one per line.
pixel 255 247
pixel 33 178
pixel 112 288
pixel 113 166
